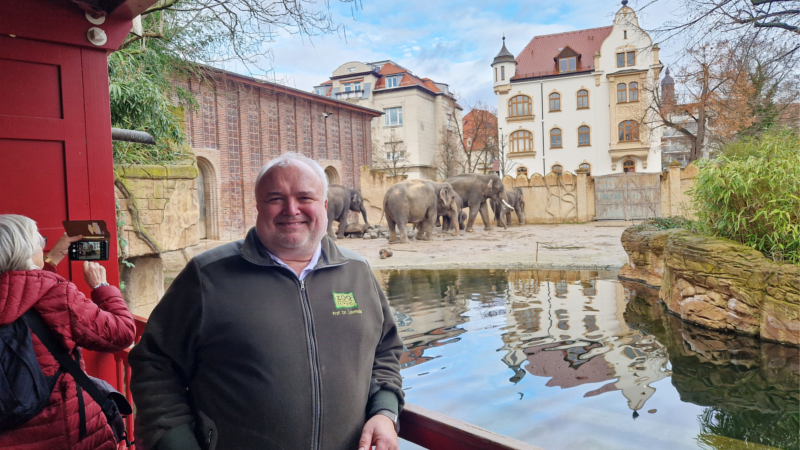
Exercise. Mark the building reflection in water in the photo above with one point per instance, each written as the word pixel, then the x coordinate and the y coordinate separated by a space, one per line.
pixel 561 325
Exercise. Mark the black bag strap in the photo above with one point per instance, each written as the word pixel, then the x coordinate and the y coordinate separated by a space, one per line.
pixel 59 352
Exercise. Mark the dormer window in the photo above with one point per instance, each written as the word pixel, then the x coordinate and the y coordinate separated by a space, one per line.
pixel 320 90
pixel 392 81
pixel 567 64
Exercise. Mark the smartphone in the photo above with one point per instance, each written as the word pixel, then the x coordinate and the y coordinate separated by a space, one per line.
pixel 95 242
pixel 88 251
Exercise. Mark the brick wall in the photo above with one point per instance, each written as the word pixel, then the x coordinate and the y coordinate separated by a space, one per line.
pixel 241 123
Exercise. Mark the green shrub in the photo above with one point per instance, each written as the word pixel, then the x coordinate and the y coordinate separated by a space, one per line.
pixel 751 194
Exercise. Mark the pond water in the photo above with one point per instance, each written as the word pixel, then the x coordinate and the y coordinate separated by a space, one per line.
pixel 582 360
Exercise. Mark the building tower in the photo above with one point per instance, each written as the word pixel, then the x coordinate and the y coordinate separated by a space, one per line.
pixel 667 88
pixel 504 67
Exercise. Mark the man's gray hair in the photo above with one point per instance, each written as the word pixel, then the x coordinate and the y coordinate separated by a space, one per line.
pixel 289 159
pixel 19 239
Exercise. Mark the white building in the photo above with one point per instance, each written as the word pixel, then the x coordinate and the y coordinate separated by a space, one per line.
pixel 575 100
pixel 416 110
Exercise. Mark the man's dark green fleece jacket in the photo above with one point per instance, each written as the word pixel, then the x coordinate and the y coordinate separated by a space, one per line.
pixel 239 354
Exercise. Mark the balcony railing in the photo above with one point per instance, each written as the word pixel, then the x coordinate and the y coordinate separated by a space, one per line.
pixel 349 94
pixel 418 425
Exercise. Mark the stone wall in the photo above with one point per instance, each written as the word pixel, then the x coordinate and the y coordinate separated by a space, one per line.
pixel 716 282
pixel 568 198
pixel 159 206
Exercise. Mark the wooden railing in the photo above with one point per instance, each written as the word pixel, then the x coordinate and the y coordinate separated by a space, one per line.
pixel 423 427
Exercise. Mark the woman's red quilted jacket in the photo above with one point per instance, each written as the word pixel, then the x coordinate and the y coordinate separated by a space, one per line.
pixel 101 324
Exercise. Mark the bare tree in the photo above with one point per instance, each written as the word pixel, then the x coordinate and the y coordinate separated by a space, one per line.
pixel 703 21
pixel 725 89
pixel 506 165
pixel 449 153
pixel 390 156
pixel 477 134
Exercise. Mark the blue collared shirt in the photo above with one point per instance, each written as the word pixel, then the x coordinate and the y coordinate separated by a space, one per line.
pixel 309 268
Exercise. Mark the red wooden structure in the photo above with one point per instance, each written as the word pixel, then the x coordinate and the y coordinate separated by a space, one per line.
pixel 55 122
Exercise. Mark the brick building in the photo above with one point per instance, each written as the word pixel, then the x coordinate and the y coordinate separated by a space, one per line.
pixel 241 123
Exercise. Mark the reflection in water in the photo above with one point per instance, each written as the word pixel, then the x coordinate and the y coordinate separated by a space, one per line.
pixel 587 333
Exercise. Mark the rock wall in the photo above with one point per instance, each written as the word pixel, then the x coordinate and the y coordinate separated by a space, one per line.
pixel 160 208
pixel 716 282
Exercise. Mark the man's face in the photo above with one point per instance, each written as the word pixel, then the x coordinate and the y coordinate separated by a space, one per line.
pixel 292 215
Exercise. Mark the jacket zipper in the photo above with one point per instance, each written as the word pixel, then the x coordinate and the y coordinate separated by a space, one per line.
pixel 315 379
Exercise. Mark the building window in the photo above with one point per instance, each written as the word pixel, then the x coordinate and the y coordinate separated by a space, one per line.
pixel 469 142
pixel 620 59
pixel 502 72
pixel 495 74
pixel 622 93
pixel 557 169
pixel 394 116
pixel 491 140
pixel 631 58
pixel 519 105
pixel 567 64
pixel 633 92
pixel 628 131
pixel 521 141
pixel 625 34
pixel 583 136
pixel 555 138
pixel 395 156
pixel 586 166
pixel 392 81
pixel 555 101
pixel 522 171
pixel 351 69
pixel 320 90
pixel 583 99
pixel 629 166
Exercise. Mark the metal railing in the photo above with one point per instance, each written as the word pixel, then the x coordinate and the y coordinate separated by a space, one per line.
pixel 418 425
pixel 349 94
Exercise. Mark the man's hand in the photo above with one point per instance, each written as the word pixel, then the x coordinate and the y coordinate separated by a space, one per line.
pixel 378 431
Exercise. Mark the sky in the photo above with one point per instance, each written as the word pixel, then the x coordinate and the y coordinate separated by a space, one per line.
pixel 449 41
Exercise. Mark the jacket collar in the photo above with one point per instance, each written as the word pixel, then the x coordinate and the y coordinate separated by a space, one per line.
pixel 255 252
pixel 21 289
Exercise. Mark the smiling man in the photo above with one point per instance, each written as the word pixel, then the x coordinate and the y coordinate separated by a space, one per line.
pixel 279 341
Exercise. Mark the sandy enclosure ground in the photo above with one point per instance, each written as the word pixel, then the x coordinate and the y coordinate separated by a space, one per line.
pixel 593 245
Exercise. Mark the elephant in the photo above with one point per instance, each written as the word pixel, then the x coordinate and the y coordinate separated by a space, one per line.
pixel 513 201
pixel 475 189
pixel 357 204
pixel 338 209
pixel 417 202
pixel 447 218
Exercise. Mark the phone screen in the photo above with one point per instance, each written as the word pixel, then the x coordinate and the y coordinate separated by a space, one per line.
pixel 88 250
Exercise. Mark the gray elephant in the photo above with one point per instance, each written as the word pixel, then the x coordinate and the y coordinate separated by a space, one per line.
pixel 447 217
pixel 512 202
pixel 357 204
pixel 474 190
pixel 338 209
pixel 417 202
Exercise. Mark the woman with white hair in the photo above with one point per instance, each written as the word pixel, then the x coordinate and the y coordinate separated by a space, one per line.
pixel 103 323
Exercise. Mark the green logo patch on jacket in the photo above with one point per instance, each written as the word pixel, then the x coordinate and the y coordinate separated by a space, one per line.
pixel 344 300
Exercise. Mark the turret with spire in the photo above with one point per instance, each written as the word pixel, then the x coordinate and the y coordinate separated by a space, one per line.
pixel 667 87
pixel 504 66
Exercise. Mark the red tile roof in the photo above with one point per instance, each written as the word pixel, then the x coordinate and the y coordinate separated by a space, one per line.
pixel 537 57
pixel 390 69
pixel 407 79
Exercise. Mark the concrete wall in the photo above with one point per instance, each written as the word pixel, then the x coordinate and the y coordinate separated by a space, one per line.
pixel 569 198
pixel 160 210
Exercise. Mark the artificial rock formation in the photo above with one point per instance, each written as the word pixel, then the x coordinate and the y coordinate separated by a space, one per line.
pixel 716 282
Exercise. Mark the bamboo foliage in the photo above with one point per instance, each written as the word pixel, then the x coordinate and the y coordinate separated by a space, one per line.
pixel 751 194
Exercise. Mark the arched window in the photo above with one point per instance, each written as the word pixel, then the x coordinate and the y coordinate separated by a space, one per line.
pixel 633 92
pixel 521 141
pixel 519 105
pixel 583 136
pixel 522 171
pixel 622 93
pixel 555 101
pixel 557 169
pixel 586 166
pixel 555 138
pixel 583 99
pixel 629 166
pixel 628 131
